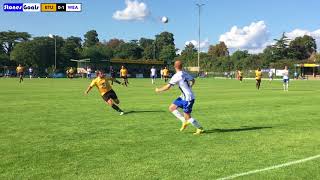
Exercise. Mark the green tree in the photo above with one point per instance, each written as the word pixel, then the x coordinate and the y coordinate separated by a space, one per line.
pixel 91 38
pixel 38 52
pixel 218 50
pixel 97 53
pixel 162 40
pixel 302 47
pixel 280 48
pixel 144 42
pixel 71 49
pixel 168 53
pixel 114 43
pixel 130 50
pixel 8 39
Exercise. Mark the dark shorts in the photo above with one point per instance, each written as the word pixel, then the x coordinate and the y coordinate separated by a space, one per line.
pixel 185 105
pixel 109 95
pixel 258 80
pixel 285 80
pixel 240 78
pixel 153 77
pixel 20 74
pixel 166 76
pixel 124 77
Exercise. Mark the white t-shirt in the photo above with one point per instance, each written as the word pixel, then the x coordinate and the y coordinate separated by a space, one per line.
pixel 285 74
pixel 153 71
pixel 182 79
pixel 30 70
pixel 270 73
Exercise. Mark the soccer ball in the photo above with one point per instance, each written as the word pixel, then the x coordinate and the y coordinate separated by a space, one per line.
pixel 164 19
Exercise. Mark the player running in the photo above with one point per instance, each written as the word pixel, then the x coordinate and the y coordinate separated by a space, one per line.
pixel 30 72
pixel 153 74
pixel 165 74
pixel 285 77
pixel 124 75
pixel 186 100
pixel 240 76
pixel 258 78
pixel 106 91
pixel 270 75
pixel 19 71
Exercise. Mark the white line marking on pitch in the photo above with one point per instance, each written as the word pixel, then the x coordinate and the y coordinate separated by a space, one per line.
pixel 271 167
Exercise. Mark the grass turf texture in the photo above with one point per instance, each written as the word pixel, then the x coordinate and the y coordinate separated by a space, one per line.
pixel 50 130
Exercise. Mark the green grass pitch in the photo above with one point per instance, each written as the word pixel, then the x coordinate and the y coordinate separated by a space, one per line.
pixel 50 130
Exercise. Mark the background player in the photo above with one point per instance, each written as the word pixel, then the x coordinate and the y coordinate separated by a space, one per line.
pixel 153 74
pixel 240 75
pixel 30 72
pixel 285 77
pixel 106 91
pixel 124 75
pixel 186 100
pixel 19 70
pixel 165 74
pixel 258 78
pixel 270 75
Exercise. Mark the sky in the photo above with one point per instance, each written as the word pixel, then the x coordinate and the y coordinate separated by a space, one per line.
pixel 246 25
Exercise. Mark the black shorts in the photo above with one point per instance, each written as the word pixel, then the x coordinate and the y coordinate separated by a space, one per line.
pixel 109 95
pixel 258 81
pixel 124 77
pixel 166 76
pixel 20 74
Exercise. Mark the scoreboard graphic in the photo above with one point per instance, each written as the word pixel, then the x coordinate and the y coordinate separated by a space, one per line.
pixel 42 7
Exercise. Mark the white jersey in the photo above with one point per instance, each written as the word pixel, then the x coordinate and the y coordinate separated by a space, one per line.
pixel 285 74
pixel 270 73
pixel 182 79
pixel 153 71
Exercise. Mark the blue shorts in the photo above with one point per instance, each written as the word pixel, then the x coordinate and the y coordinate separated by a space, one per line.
pixel 285 80
pixel 185 105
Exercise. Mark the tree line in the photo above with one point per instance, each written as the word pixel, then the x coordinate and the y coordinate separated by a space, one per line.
pixel 38 52
pixel 283 52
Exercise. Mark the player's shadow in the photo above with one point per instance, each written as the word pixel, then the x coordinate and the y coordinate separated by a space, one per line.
pixel 237 129
pixel 143 111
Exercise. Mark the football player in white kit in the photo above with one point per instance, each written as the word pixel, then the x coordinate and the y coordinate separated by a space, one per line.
pixel 285 75
pixel 153 74
pixel 186 100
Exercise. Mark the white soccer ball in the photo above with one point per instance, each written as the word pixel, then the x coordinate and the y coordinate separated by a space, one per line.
pixel 164 19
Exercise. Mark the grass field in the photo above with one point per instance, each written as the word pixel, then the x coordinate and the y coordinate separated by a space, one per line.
pixel 50 130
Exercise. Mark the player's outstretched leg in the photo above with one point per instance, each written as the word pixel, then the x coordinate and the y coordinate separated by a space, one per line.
pixel 114 106
pixel 174 110
pixel 194 122
pixel 20 79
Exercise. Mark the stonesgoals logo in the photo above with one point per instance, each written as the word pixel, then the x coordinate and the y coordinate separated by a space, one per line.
pixel 42 7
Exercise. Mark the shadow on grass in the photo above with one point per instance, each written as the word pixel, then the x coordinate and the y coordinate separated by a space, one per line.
pixel 143 111
pixel 236 129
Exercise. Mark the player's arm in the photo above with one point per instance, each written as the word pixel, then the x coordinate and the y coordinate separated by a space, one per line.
pixel 163 88
pixel 88 90
pixel 90 87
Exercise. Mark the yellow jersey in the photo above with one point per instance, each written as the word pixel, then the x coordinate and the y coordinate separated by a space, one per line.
pixel 123 72
pixel 19 69
pixel 166 72
pixel 102 84
pixel 258 75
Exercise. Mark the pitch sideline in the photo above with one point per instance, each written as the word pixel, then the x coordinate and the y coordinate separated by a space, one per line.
pixel 271 167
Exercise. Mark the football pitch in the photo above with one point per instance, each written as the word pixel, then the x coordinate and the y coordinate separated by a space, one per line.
pixel 50 130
